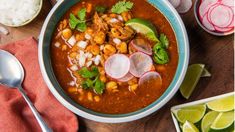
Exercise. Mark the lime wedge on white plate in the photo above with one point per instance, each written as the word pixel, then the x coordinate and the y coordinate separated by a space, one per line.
pixel 144 27
pixel 223 122
pixel 207 120
pixel 222 105
pixel 189 127
pixel 192 113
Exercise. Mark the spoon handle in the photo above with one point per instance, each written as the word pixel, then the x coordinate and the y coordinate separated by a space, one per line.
pixel 41 122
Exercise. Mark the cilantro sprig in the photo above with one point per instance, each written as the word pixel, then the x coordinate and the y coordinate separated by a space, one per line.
pixel 80 22
pixel 160 54
pixel 100 9
pixel 122 6
pixel 92 80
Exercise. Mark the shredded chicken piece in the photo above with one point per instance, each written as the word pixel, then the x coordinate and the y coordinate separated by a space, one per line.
pixel 99 23
pixel 124 33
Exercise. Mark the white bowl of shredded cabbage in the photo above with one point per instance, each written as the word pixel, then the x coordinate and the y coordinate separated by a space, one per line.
pixel 15 13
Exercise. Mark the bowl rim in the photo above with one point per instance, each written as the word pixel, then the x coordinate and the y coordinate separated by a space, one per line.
pixel 110 119
pixel 29 20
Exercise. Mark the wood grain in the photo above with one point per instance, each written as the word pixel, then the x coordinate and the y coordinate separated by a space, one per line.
pixel 216 52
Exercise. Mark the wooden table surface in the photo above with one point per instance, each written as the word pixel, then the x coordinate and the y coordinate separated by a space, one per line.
pixel 216 52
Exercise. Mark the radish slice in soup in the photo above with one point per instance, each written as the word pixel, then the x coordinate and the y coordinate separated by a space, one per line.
pixel 184 6
pixel 150 79
pixel 117 66
pixel 126 78
pixel 140 64
pixel 175 3
pixel 142 46
pixel 221 16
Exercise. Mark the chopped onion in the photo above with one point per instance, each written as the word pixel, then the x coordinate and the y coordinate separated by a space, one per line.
pixel 57 44
pixel 87 36
pixel 114 20
pixel 117 41
pixel 82 44
pixel 74 67
pixel 97 60
pixel 72 41
pixel 82 59
pixel 89 63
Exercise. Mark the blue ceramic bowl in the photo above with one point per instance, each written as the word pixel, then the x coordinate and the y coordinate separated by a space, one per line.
pixel 46 68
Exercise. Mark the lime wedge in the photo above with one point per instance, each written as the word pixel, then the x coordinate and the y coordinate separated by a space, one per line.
pixel 208 120
pixel 224 122
pixel 191 79
pixel 189 127
pixel 144 27
pixel 206 73
pixel 222 105
pixel 192 113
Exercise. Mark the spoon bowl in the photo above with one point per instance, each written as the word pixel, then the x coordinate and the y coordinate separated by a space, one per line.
pixel 11 71
pixel 12 76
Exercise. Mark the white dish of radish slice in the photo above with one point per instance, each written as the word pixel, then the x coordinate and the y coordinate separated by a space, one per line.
pixel 215 16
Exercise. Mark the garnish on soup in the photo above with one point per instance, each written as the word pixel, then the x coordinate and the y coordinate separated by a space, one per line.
pixel 108 58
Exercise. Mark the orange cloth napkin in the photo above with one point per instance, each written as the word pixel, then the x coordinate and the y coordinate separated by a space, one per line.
pixel 15 115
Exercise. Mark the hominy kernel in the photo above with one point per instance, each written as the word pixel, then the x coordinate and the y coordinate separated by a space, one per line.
pixel 97 99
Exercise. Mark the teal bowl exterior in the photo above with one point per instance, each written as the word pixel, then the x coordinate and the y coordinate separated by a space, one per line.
pixel 46 68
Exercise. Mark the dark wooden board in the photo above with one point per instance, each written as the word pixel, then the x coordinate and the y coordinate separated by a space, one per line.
pixel 216 52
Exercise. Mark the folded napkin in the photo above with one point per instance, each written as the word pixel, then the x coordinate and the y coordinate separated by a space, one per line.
pixel 15 115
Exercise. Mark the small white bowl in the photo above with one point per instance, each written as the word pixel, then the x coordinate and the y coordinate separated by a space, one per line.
pixel 202 101
pixel 28 21
pixel 196 8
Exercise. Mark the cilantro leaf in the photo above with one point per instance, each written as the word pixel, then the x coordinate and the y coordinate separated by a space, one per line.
pixel 85 73
pixel 164 40
pixel 100 9
pixel 81 26
pixel 160 55
pixel 88 83
pixel 82 14
pixel 92 79
pixel 73 21
pixel 122 6
pixel 99 86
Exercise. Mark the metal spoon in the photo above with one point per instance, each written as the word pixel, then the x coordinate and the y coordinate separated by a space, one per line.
pixel 12 75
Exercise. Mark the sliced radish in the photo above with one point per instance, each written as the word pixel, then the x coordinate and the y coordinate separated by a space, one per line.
pixel 206 23
pixel 221 16
pixel 117 66
pixel 142 46
pixel 140 63
pixel 231 25
pixel 184 6
pixel 175 3
pixel 228 3
pixel 150 79
pixel 126 78
pixel 205 5
pixel 220 29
